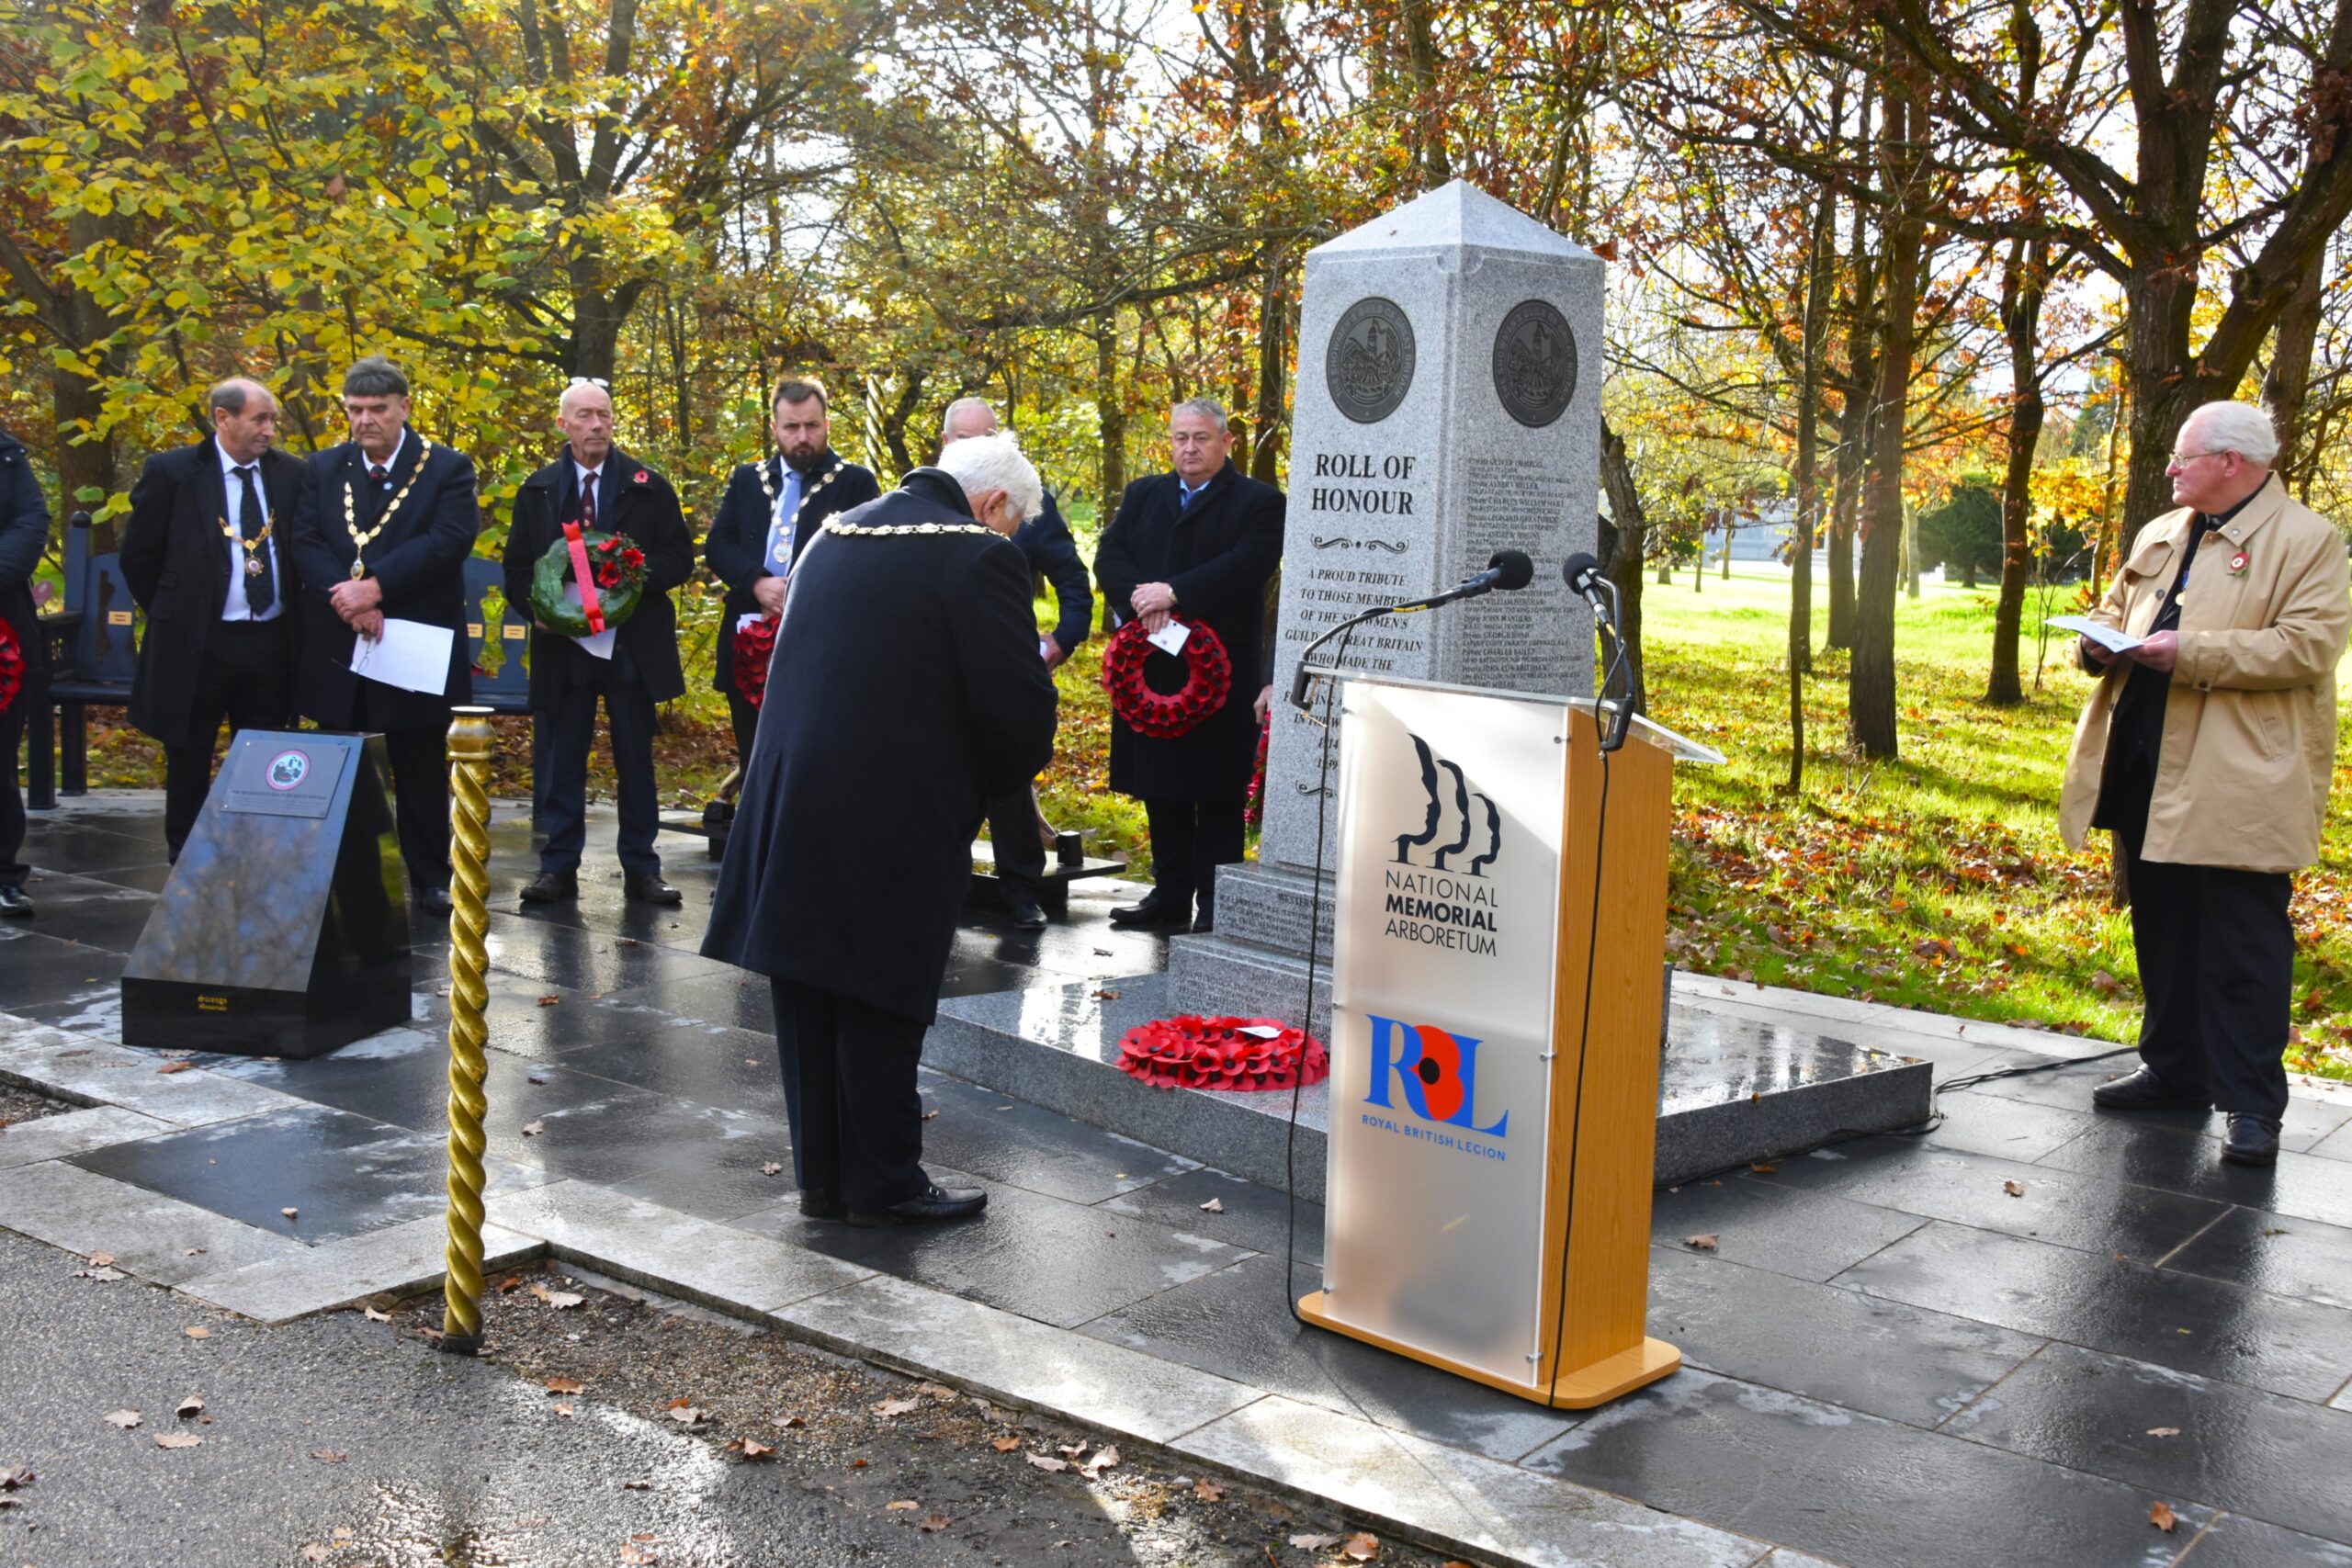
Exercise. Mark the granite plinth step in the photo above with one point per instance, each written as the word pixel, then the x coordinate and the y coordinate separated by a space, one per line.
pixel 1731 1089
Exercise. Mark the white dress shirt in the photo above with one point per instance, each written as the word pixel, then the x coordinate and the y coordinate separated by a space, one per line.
pixel 236 608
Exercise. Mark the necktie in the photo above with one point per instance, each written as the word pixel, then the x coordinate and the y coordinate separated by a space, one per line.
pixel 376 471
pixel 784 532
pixel 588 500
pixel 1184 495
pixel 260 591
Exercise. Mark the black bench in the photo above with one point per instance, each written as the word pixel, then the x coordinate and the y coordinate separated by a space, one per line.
pixel 93 649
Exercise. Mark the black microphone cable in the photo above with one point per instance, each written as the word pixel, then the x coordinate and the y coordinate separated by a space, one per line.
pixel 1306 1007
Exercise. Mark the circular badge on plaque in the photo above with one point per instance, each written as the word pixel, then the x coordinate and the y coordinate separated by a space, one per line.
pixel 289 769
pixel 1368 365
pixel 1535 363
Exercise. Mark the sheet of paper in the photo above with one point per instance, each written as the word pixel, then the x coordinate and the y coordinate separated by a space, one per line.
pixel 410 655
pixel 1171 637
pixel 2106 637
pixel 1045 648
pixel 600 645
pixel 1262 1031
pixel 745 623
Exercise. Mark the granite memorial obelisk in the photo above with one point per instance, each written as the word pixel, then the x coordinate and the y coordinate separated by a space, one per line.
pixel 1447 406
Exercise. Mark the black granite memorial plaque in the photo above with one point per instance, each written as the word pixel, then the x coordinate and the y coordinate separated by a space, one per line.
pixel 283 930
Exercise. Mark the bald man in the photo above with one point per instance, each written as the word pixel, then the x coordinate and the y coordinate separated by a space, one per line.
pixel 200 552
pixel 632 671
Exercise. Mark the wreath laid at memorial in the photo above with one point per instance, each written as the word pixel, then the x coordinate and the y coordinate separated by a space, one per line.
pixel 1192 1052
pixel 755 645
pixel 12 665
pixel 1166 715
pixel 1254 810
pixel 611 574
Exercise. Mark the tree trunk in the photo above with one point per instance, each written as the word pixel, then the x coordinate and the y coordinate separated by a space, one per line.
pixel 2286 383
pixel 1110 422
pixel 1808 476
pixel 1871 680
pixel 2027 275
pixel 1428 122
pixel 1273 364
pixel 1625 553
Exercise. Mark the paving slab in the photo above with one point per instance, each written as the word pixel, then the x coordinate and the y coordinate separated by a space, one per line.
pixel 1248 1213
pixel 2179 1160
pixel 2302 1258
pixel 54 1137
pixel 157 1238
pixel 1793 1231
pixel 1015 1361
pixel 2005 1129
pixel 394 1260
pixel 2232 1541
pixel 93 1072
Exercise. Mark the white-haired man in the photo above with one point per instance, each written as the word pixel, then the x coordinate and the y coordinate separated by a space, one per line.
pixel 1045 543
pixel 2208 750
pixel 845 873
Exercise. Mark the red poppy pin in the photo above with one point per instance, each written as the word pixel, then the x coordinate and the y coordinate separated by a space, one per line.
pixel 2237 564
pixel 643 476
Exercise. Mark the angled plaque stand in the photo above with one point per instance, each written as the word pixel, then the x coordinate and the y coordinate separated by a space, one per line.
pixel 1497 1002
pixel 283 930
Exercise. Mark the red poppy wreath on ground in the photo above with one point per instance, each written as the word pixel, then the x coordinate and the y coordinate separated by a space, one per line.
pixel 753 646
pixel 12 665
pixel 1166 715
pixel 1192 1052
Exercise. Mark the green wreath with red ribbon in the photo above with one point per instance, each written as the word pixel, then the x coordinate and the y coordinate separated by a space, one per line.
pixel 1166 715
pixel 616 578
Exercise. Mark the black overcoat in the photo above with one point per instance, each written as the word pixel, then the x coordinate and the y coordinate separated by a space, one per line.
pixel 419 560
pixel 24 534
pixel 1045 540
pixel 632 500
pixel 176 562
pixel 916 696
pixel 737 548
pixel 1216 554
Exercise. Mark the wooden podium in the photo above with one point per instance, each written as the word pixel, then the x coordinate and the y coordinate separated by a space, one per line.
pixel 1488 1192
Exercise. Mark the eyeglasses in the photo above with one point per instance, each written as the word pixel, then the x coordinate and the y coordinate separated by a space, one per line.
pixel 2182 459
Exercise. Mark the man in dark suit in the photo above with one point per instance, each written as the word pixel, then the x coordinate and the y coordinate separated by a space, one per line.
pixel 200 552
pixel 846 870
pixel 1196 544
pixel 771 512
pixel 604 490
pixel 1045 543
pixel 380 531
pixel 24 533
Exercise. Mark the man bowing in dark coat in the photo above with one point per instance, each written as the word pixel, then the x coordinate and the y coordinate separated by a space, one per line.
pixel 200 553
pixel 380 531
pixel 847 866
pixel 771 512
pixel 1198 545
pixel 632 668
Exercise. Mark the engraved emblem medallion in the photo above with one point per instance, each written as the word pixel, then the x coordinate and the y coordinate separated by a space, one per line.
pixel 1368 365
pixel 1535 363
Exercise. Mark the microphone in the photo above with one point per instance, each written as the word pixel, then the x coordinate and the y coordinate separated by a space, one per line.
pixel 1506 571
pixel 1581 572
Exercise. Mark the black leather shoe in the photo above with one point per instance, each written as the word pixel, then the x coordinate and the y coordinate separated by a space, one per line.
pixel 651 889
pixel 1205 922
pixel 13 902
pixel 1027 914
pixel 2252 1140
pixel 932 1204
pixel 2145 1091
pixel 434 900
pixel 552 887
pixel 1157 912
pixel 815 1205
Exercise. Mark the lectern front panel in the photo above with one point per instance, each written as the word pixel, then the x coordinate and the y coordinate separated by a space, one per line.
pixel 1450 825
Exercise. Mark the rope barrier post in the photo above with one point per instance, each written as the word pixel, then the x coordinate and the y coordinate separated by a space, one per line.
pixel 470 743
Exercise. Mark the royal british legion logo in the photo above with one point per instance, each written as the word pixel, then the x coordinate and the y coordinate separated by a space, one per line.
pixel 1433 1074
pixel 1448 903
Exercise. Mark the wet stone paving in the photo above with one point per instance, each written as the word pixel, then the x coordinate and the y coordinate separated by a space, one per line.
pixel 2000 1342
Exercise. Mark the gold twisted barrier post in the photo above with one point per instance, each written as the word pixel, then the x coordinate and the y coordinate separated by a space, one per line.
pixel 469 740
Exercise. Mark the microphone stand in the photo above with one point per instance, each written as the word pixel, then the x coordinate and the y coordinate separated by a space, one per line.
pixel 1303 677
pixel 1621 712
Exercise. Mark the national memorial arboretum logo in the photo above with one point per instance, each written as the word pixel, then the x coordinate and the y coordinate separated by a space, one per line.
pixel 1449 901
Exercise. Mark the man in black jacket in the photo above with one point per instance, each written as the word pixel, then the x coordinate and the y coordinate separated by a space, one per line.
pixel 380 531
pixel 1196 544
pixel 1043 541
pixel 771 512
pixel 633 666
pixel 24 533
pixel 846 870
pixel 202 558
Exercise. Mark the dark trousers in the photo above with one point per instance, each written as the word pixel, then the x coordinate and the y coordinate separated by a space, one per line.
pixel 419 756
pixel 14 871
pixel 849 1090
pixel 2217 965
pixel 246 678
pixel 746 721
pixel 1020 853
pixel 560 786
pixel 1190 838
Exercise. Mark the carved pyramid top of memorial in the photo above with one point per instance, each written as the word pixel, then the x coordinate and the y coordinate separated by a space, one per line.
pixel 1454 216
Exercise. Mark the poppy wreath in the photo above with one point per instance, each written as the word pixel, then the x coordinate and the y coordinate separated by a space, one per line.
pixel 12 665
pixel 754 643
pixel 1254 810
pixel 618 568
pixel 1192 1052
pixel 1166 715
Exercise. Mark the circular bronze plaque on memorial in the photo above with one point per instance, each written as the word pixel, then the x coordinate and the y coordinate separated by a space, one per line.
pixel 1368 366
pixel 1535 364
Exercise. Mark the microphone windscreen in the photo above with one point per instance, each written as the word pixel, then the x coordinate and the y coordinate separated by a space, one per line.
pixel 1579 570
pixel 1517 570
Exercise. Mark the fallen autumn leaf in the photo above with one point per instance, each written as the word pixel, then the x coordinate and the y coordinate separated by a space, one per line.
pixel 177 1440
pixel 126 1419
pixel 1703 1243
pixel 2161 1515
pixel 1360 1547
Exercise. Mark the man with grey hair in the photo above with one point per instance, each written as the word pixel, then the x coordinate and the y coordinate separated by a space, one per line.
pixel 1014 829
pixel 2208 750
pixel 845 871
pixel 1194 546
pixel 201 554
pixel 381 530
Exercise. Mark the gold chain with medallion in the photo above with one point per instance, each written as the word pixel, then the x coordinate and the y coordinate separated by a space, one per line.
pixel 893 530
pixel 767 483
pixel 255 566
pixel 360 541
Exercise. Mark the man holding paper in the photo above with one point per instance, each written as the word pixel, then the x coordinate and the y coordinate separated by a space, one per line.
pixel 2208 750
pixel 629 667
pixel 380 533
pixel 1193 545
